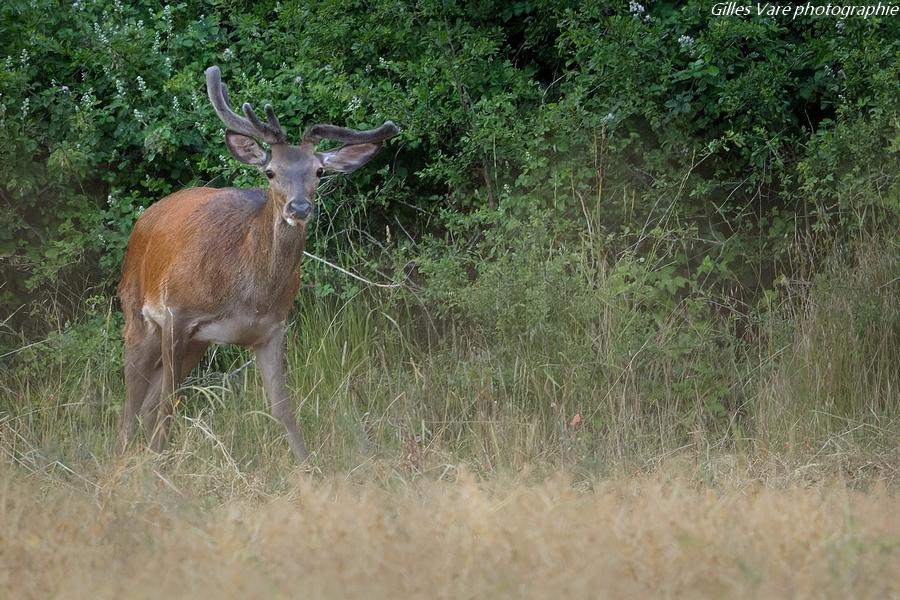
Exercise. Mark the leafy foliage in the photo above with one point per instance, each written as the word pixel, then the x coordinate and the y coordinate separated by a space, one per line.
pixel 706 145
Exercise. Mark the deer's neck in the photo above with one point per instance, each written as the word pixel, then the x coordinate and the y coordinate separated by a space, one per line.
pixel 277 247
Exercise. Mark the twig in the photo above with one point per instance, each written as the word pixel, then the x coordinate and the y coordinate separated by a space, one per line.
pixel 353 275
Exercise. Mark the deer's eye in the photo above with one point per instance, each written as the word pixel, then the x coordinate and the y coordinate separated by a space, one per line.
pixel 270 173
pixel 320 171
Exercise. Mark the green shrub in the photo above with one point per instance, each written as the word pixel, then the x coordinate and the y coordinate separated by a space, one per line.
pixel 643 117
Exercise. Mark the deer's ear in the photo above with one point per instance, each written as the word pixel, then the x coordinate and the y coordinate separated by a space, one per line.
pixel 348 158
pixel 246 149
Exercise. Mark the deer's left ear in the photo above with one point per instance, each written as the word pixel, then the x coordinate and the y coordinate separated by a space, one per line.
pixel 349 157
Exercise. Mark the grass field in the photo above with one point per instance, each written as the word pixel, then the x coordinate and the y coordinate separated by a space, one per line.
pixel 146 532
pixel 593 457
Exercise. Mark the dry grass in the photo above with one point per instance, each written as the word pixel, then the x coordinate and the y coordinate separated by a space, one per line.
pixel 142 533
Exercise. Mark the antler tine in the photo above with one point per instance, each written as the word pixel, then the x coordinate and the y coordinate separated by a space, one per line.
pixel 271 118
pixel 326 131
pixel 271 131
pixel 251 126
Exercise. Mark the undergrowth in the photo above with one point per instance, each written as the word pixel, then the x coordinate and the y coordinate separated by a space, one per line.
pixel 587 367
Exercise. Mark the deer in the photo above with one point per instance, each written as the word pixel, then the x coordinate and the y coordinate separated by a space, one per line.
pixel 222 266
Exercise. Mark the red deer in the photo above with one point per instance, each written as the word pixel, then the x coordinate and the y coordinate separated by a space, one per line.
pixel 222 266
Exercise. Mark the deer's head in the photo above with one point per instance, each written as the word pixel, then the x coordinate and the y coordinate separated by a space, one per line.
pixel 293 170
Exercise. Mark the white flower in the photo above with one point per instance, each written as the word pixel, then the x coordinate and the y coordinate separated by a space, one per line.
pixel 101 36
pixel 298 79
pixel 65 89
pixel 686 41
pixel 228 54
pixel 354 103
pixel 142 85
pixel 167 19
pixel 25 105
pixel 636 8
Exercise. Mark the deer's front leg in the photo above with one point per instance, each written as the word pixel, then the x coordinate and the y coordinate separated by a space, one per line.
pixel 270 358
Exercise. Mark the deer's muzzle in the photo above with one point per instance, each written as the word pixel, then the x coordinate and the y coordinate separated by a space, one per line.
pixel 299 209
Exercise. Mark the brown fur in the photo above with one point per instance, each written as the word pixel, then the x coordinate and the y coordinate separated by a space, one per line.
pixel 202 266
pixel 210 251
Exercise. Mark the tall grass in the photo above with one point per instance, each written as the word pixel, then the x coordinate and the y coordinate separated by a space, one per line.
pixel 595 379
pixel 834 373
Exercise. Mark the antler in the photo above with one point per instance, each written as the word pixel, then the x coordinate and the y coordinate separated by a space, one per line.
pixel 269 132
pixel 325 131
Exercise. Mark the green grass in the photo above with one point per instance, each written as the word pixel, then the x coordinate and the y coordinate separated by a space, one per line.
pixel 815 382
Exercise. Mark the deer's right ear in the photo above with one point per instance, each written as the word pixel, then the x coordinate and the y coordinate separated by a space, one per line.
pixel 246 149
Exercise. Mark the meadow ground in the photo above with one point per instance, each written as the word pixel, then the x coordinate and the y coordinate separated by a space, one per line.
pixel 147 530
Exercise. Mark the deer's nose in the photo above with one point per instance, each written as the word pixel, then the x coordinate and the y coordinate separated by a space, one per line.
pixel 300 208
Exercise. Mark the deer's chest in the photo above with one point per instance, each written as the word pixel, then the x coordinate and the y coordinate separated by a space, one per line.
pixel 258 314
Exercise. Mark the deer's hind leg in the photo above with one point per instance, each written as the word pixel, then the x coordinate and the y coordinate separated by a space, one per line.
pixel 173 343
pixel 159 404
pixel 142 371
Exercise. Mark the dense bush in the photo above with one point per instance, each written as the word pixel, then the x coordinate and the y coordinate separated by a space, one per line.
pixel 710 143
